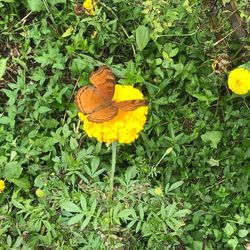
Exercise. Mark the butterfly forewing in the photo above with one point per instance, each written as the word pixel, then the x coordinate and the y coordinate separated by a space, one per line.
pixel 88 99
pixel 130 105
pixel 104 80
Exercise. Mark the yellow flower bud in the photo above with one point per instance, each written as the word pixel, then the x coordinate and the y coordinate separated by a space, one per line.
pixel 40 193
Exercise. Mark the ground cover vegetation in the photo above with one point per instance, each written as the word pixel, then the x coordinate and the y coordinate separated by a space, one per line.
pixel 183 184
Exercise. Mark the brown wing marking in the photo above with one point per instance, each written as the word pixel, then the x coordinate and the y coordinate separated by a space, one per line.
pixel 130 105
pixel 101 76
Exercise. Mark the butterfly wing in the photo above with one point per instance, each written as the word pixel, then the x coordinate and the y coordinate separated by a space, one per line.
pixel 103 115
pixel 104 80
pixel 88 99
pixel 96 101
pixel 130 105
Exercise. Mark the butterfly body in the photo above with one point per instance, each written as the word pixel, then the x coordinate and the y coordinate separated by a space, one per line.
pixel 96 101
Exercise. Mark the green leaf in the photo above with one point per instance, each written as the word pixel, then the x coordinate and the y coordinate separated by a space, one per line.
pixel 124 214
pixel 22 183
pixel 75 219
pixel 73 143
pixel 70 207
pixel 85 222
pixel 54 2
pixel 83 203
pixel 182 213
pixel 229 230
pixel 95 163
pixel 3 63
pixel 68 32
pixel 233 242
pixel 43 109
pixel 36 5
pixel 212 162
pixel 243 233
pixel 213 137
pixel 175 185
pixel 142 37
pixel 138 226
pixel 12 170
pixel 40 180
pixel 173 52
pixel 5 120
pixel 93 206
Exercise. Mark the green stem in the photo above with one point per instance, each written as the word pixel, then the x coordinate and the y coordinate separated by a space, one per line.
pixel 112 175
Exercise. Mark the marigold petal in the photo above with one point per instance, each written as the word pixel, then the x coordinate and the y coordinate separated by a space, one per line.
pixel 89 6
pixel 2 186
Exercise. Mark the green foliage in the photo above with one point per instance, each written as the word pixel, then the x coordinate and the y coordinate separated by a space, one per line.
pixel 195 146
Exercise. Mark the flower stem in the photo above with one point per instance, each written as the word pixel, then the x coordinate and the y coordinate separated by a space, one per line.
pixel 112 175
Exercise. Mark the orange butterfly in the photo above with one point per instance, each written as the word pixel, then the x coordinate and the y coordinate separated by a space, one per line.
pixel 96 101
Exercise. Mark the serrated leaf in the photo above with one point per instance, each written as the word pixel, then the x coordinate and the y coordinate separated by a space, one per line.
pixel 142 37
pixel 70 207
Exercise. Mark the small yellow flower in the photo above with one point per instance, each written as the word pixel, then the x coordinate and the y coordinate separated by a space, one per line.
pixel 40 193
pixel 89 5
pixel 2 186
pixel 239 81
pixel 125 126
pixel 158 191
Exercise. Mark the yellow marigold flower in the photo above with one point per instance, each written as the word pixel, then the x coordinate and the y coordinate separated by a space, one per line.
pixel 125 126
pixel 239 81
pixel 2 186
pixel 158 191
pixel 89 5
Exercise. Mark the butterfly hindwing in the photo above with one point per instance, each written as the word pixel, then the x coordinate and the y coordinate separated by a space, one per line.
pixel 130 105
pixel 103 115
